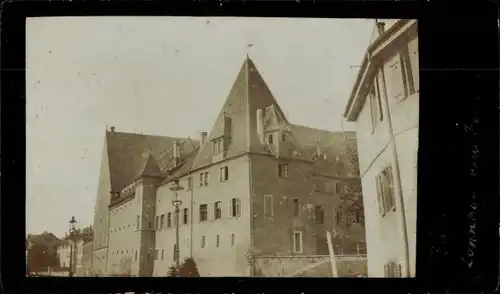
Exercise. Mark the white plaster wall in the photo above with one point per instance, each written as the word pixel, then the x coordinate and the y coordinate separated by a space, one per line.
pixel 210 258
pixel 124 239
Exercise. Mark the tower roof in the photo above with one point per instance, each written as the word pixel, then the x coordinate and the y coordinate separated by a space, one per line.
pixel 150 168
pixel 248 93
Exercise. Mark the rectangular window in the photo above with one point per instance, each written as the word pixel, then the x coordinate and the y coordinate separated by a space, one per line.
pixel 137 222
pixel 385 191
pixel 203 212
pixel 392 270
pixel 270 138
pixel 297 242
pixel 214 144
pixel 206 179
pixel 406 72
pixel 219 146
pixel 295 207
pixel 284 137
pixel 235 207
pixel 162 221
pixel 217 210
pixel 233 237
pixel 202 245
pixel 186 240
pixel 185 216
pixel 338 188
pixel 150 225
pixel 224 173
pixel 156 254
pixel 201 179
pixel 162 251
pixel 217 241
pixel 190 183
pixel 319 214
pixel 283 170
pixel 169 220
pixel 136 255
pixel 268 205
pixel 157 222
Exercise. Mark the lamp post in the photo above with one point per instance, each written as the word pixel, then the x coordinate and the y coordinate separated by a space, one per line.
pixel 176 203
pixel 72 229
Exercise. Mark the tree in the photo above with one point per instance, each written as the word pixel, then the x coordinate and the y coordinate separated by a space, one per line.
pixel 189 268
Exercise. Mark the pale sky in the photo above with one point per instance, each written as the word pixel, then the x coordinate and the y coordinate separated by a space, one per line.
pixel 163 76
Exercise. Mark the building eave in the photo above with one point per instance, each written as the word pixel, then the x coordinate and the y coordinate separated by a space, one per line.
pixel 375 54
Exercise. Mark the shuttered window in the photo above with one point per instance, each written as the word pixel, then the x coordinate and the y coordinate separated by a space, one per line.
pixel 385 191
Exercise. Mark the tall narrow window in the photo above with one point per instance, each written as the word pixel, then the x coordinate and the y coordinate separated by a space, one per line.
pixel 385 191
pixel 224 173
pixel 157 222
pixel 169 220
pixel 217 241
pixel 297 242
pixel 338 188
pixel 217 210
pixel 186 240
pixel 202 245
pixel 137 222
pixel 205 178
pixel 185 216
pixel 162 251
pixel 295 207
pixel 406 72
pixel 190 183
pixel 270 138
pixel 162 221
pixel 201 179
pixel 203 212
pixel 136 255
pixel 283 170
pixel 319 214
pixel 233 239
pixel 235 207
pixel 268 205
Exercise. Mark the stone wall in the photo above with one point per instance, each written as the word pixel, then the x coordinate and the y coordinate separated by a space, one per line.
pixel 276 266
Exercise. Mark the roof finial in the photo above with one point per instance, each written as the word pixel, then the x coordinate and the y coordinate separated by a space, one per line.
pixel 249 45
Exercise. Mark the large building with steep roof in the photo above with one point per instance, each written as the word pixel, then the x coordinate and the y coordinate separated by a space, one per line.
pixel 256 185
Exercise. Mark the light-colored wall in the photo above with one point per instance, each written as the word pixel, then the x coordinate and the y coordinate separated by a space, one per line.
pixel 383 236
pixel 209 258
pixel 63 252
pixel 124 239
pixel 101 215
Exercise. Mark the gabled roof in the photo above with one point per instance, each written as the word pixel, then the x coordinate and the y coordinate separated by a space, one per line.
pixel 129 153
pixel 248 93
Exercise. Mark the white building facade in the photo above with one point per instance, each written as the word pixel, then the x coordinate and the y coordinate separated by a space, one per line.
pixel 384 103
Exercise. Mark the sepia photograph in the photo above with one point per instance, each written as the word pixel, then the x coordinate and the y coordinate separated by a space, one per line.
pixel 221 147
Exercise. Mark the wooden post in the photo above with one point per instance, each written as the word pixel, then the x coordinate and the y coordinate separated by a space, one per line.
pixel 335 273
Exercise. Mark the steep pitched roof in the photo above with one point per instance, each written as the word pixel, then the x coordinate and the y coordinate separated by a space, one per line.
pixel 248 93
pixel 185 165
pixel 150 168
pixel 128 153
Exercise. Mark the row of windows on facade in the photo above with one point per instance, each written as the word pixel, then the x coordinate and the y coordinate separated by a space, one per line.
pixel 162 222
pixel 282 170
pixel 403 85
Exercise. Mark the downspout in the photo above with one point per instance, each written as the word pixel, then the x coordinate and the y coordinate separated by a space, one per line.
pixel 396 174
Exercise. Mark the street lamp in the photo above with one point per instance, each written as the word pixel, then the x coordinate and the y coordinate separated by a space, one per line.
pixel 176 203
pixel 72 230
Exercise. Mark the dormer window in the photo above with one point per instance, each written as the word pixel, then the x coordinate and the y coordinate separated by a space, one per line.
pixel 218 146
pixel 284 137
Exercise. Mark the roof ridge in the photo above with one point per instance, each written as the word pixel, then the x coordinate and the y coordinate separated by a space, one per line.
pixel 322 130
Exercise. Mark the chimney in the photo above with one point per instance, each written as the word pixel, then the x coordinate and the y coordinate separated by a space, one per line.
pixel 260 126
pixel 380 28
pixel 203 138
pixel 177 152
pixel 112 129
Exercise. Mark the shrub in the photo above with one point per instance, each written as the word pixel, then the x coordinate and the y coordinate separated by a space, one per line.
pixel 189 268
pixel 173 271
